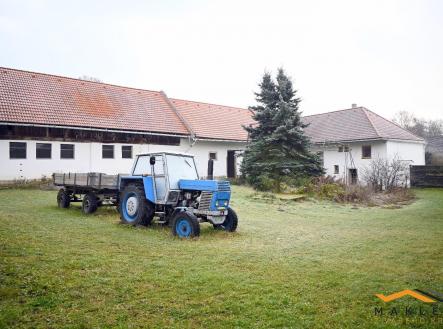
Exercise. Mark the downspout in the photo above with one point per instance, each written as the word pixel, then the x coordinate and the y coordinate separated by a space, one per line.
pixel 192 135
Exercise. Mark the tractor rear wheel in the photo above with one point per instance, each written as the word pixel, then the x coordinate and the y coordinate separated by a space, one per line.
pixel 185 225
pixel 230 223
pixel 90 203
pixel 63 199
pixel 134 208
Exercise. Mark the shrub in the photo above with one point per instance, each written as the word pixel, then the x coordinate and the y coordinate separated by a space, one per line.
pixel 382 174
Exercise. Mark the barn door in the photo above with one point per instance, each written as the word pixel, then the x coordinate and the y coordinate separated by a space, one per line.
pixel 230 165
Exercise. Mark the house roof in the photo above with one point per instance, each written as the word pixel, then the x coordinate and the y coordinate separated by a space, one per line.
pixel 37 98
pixel 215 121
pixel 353 124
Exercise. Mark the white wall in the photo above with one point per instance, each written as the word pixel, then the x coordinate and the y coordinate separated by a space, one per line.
pixel 88 157
pixel 412 152
pixel 333 157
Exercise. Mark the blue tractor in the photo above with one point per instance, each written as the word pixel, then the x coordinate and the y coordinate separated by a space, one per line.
pixel 166 185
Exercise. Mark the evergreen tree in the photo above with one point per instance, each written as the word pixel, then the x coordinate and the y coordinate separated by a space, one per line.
pixel 278 149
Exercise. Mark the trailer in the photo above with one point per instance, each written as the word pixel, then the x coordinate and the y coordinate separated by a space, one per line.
pixel 92 189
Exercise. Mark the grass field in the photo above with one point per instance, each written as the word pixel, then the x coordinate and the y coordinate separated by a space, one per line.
pixel 291 264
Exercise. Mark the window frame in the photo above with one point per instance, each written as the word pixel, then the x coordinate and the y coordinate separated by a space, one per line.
pixel 103 151
pixel 132 153
pixel 73 151
pixel 336 169
pixel 36 151
pixel 26 150
pixel 212 152
pixel 363 152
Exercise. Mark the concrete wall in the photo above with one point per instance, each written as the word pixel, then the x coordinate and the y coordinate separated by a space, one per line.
pixel 88 157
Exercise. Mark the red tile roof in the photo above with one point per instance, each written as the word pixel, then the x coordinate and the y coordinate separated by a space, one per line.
pixel 37 98
pixel 27 97
pixel 353 124
pixel 215 121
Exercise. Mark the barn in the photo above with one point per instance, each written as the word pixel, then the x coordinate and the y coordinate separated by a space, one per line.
pixel 52 124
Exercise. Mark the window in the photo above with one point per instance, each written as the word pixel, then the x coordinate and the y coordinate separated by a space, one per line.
pixel 108 151
pixel 340 148
pixel 17 150
pixel 126 151
pixel 212 155
pixel 366 152
pixel 336 169
pixel 346 148
pixel 66 151
pixel 343 148
pixel 43 151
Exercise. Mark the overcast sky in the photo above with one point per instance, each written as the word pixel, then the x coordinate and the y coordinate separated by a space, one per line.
pixel 384 55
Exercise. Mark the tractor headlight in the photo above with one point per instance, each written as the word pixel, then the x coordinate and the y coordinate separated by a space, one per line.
pixel 225 203
pixel 216 203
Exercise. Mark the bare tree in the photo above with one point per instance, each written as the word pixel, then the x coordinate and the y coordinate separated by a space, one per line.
pixel 382 174
pixel 418 126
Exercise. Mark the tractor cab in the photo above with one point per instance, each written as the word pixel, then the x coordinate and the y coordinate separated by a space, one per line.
pixel 166 185
pixel 166 170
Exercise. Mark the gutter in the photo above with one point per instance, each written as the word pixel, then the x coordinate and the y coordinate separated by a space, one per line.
pixel 370 139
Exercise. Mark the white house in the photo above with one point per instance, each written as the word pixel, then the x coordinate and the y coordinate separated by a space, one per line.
pixel 52 124
pixel 349 139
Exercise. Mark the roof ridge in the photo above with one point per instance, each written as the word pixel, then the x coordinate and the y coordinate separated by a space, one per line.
pixel 352 108
pixel 371 122
pixel 76 79
pixel 392 122
pixel 228 106
pixel 179 115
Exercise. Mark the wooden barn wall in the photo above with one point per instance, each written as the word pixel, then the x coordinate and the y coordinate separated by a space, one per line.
pixel 78 135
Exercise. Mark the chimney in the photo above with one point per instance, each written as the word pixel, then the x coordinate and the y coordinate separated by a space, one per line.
pixel 354 106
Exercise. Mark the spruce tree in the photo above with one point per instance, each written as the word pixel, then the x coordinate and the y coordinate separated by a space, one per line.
pixel 278 150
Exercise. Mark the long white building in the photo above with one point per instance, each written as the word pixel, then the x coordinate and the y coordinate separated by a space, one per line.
pixel 56 124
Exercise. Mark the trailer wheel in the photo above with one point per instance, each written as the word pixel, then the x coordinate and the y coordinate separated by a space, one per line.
pixel 63 199
pixel 185 225
pixel 90 203
pixel 230 223
pixel 133 206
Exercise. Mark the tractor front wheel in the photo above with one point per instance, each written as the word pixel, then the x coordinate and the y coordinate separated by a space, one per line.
pixel 230 223
pixel 134 208
pixel 185 225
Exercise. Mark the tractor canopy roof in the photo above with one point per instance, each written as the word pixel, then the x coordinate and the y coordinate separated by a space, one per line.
pixel 167 152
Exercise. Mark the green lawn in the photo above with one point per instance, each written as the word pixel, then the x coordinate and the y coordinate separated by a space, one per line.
pixel 290 264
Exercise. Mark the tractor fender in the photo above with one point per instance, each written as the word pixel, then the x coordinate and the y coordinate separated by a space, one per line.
pixel 146 181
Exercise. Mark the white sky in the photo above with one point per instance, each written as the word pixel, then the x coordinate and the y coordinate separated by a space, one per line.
pixel 384 55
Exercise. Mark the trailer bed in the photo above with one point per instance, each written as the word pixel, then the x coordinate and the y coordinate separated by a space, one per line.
pixel 91 180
